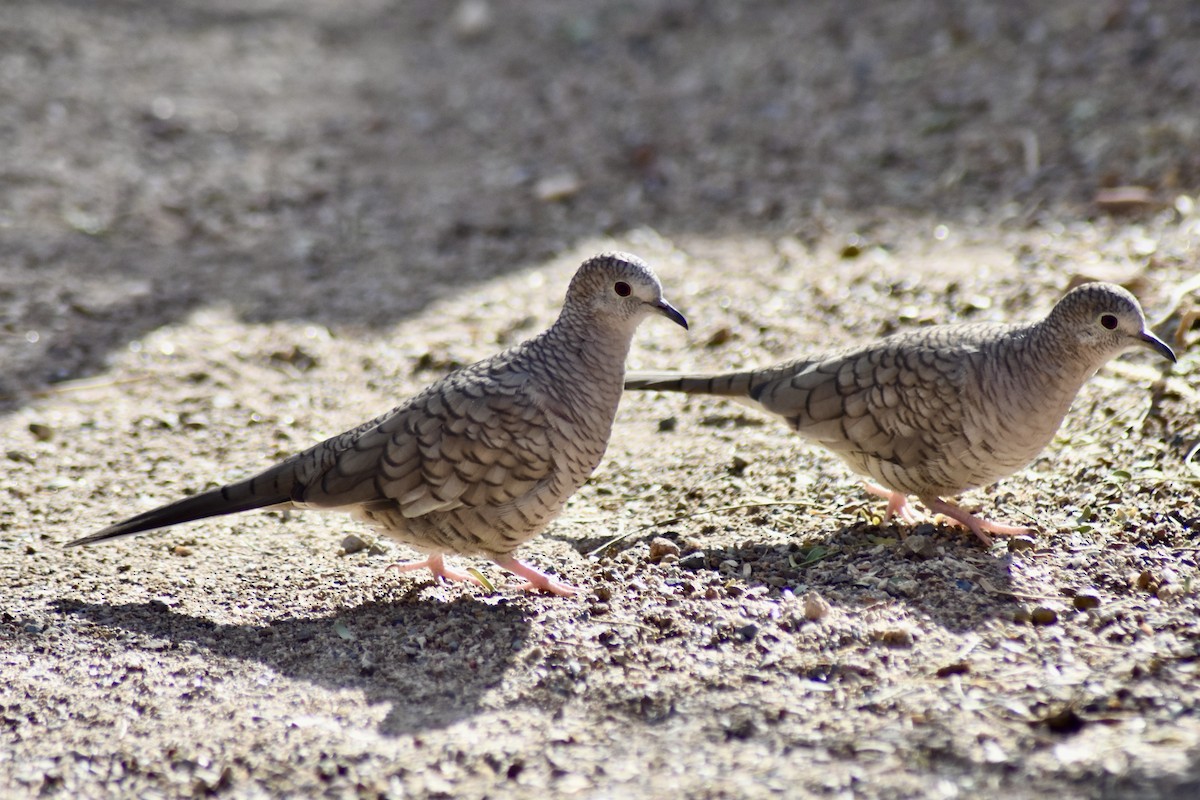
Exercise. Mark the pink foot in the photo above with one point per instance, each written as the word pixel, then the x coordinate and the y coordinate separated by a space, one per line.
pixel 977 525
pixel 534 579
pixel 898 505
pixel 438 567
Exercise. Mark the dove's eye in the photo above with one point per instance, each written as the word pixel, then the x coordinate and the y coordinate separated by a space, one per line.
pixel 622 288
pixel 1109 321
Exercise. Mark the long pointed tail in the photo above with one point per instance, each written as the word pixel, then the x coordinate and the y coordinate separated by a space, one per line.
pixel 733 384
pixel 267 489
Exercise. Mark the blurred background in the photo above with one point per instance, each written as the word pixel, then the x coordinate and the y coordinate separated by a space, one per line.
pixel 347 162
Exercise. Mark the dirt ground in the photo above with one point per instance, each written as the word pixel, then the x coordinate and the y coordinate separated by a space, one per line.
pixel 229 229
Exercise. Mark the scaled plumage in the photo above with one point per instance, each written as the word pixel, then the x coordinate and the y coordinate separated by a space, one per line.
pixel 480 461
pixel 936 411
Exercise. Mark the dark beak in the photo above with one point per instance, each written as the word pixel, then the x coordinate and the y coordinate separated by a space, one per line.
pixel 1152 342
pixel 670 312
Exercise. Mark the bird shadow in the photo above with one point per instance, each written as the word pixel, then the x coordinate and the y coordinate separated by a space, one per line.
pixel 432 662
pixel 941 575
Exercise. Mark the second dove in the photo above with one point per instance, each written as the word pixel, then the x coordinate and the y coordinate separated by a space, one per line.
pixel 936 411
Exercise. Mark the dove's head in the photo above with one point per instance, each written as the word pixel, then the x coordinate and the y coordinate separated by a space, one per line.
pixel 617 290
pixel 1105 320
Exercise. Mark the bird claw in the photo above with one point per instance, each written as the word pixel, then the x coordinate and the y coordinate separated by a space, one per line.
pixel 977 525
pixel 436 565
pixel 534 579
pixel 898 506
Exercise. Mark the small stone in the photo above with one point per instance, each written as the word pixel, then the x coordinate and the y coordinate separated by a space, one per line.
pixel 893 637
pixel 20 457
pixel 1018 543
pixel 667 425
pixel 353 544
pixel 816 607
pixel 1124 199
pixel 557 187
pixel 1146 581
pixel 738 465
pixel 921 545
pixel 1168 591
pixel 660 547
pixel 748 632
pixel 602 593
pixel 1043 615
pixel 1086 599
pixel 472 19
pixel 41 432
pixel 181 550
pixel 720 336
pixel 957 668
pixel 1065 720
pixel 694 561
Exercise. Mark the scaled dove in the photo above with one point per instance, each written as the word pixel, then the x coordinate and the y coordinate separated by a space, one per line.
pixel 936 411
pixel 482 460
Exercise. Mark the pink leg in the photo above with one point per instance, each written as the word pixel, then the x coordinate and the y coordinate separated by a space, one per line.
pixel 898 505
pixel 535 579
pixel 438 567
pixel 976 524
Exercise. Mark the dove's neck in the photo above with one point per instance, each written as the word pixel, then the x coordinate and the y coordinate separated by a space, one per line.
pixel 1047 365
pixel 586 362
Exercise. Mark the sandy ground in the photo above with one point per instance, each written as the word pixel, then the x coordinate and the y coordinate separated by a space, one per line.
pixel 228 230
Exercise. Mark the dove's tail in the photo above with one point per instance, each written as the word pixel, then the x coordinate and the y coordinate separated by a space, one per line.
pixel 270 488
pixel 732 384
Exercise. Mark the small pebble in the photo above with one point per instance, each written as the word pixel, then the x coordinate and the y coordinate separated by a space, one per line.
pixel 472 19
pixel 720 336
pixel 1018 543
pixel 1146 581
pixel 181 550
pixel 353 544
pixel 555 188
pixel 1086 599
pixel 1168 591
pixel 738 465
pixel 660 547
pixel 921 545
pixel 41 432
pixel 816 607
pixel 1043 615
pixel 893 637
pixel 694 561
pixel 667 425
pixel 957 668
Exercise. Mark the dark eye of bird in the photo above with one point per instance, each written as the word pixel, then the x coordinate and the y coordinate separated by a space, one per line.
pixel 622 288
pixel 1109 321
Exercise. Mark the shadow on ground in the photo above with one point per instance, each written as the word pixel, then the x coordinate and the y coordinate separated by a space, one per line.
pixel 394 652
pixel 347 163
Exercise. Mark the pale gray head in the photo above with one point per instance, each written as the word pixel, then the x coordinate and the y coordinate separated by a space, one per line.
pixel 618 290
pixel 1106 320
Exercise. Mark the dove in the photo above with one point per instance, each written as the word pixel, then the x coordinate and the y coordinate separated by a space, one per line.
pixel 936 411
pixel 480 461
